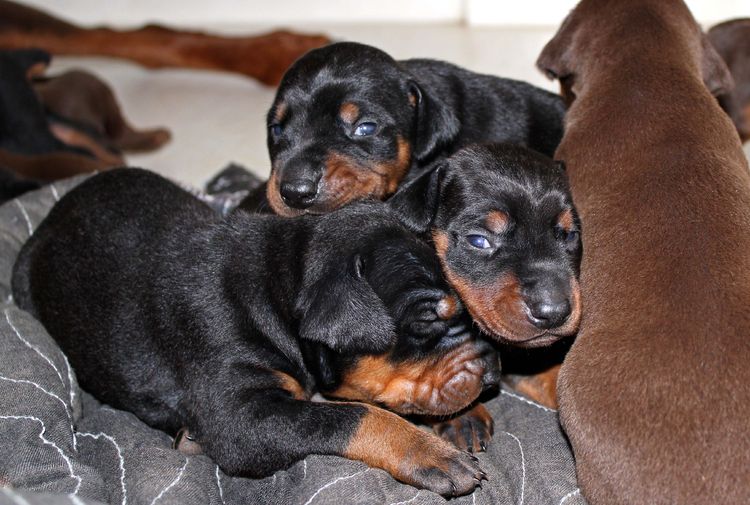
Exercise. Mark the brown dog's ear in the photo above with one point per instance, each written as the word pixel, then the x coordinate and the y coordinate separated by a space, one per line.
pixel 553 60
pixel 437 125
pixel 343 312
pixel 715 72
pixel 416 202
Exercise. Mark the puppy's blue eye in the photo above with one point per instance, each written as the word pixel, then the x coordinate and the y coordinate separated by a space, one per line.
pixel 365 129
pixel 478 241
pixel 275 129
pixel 571 236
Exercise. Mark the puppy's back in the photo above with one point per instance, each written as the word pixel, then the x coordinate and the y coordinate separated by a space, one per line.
pixel 99 258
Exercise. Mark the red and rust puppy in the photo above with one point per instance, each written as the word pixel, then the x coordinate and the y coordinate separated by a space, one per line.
pixel 349 123
pixel 653 393
pixel 83 111
pixel 731 40
pixel 264 57
pixel 506 231
pixel 29 151
pixel 227 327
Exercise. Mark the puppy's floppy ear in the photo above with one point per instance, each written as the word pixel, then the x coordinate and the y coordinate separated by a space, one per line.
pixel 341 311
pixel 715 72
pixel 416 202
pixel 437 125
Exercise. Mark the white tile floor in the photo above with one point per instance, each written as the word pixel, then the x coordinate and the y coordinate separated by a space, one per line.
pixel 218 118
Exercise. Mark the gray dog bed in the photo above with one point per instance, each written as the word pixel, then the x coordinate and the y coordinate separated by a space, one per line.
pixel 59 445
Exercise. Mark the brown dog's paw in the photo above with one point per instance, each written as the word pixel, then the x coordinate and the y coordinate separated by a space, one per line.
pixel 447 471
pixel 470 431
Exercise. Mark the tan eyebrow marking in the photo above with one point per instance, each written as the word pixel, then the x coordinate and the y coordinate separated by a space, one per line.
pixel 497 221
pixel 280 112
pixel 349 112
pixel 565 220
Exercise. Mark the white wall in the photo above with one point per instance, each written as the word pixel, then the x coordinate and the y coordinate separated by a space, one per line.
pixel 301 12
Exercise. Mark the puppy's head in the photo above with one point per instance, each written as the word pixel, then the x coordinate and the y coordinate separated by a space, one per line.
pixel 346 124
pixel 602 34
pixel 388 329
pixel 508 237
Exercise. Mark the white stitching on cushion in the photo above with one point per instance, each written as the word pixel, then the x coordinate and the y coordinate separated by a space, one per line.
pixel 517 397
pixel 572 493
pixel 179 476
pixel 407 501
pixel 523 465
pixel 119 455
pixel 25 215
pixel 49 442
pixel 7 318
pixel 316 493
pixel 70 381
pixel 218 484
pixel 53 395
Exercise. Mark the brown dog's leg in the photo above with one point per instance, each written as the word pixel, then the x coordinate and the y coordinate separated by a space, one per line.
pixel 541 387
pixel 264 57
pixel 470 431
pixel 73 137
pixel 50 167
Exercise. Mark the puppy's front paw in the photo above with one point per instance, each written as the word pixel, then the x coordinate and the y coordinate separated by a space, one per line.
pixel 447 471
pixel 414 456
pixel 431 318
pixel 470 431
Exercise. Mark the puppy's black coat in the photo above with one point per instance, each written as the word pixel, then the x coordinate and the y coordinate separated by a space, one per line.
pixel 228 326
pixel 350 122
pixel 502 220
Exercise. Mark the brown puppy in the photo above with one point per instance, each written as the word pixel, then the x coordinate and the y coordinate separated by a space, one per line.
pixel 263 57
pixel 654 393
pixel 83 100
pixel 732 41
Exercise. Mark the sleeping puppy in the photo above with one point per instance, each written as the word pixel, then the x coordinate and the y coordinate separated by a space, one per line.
pixel 227 327
pixel 503 223
pixel 349 122
pixel 502 220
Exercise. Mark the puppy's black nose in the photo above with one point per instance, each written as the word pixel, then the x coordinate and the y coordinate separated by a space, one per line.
pixel 548 312
pixel 299 193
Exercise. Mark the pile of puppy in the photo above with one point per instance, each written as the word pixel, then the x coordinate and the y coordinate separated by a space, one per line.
pixel 227 326
pixel 224 328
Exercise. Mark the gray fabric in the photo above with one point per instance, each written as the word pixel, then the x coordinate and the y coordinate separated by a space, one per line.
pixel 59 445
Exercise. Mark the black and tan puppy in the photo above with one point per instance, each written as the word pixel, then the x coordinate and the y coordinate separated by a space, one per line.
pixel 508 236
pixel 229 326
pixel 349 122
pixel 502 220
